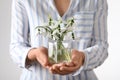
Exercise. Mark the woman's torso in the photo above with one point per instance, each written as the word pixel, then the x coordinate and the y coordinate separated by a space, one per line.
pixel 38 11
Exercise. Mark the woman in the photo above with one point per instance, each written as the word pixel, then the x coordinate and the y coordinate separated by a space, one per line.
pixel 30 53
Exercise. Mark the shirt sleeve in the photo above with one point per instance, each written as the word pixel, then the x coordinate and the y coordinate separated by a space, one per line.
pixel 98 52
pixel 19 45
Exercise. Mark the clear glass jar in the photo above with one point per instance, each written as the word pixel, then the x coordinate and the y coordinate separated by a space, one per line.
pixel 59 51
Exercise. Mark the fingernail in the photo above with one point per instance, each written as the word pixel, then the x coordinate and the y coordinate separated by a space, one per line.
pixel 61 68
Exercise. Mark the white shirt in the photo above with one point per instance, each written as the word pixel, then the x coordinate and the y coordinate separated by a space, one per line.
pixel 91 29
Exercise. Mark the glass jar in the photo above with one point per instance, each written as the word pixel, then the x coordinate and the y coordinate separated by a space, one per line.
pixel 59 51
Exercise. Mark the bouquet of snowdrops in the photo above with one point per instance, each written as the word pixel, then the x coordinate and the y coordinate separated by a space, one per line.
pixel 56 30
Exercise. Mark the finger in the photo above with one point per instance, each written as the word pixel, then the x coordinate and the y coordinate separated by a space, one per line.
pixel 69 69
pixel 60 72
pixel 52 71
pixel 55 68
pixel 70 64
pixel 61 64
pixel 63 73
pixel 49 65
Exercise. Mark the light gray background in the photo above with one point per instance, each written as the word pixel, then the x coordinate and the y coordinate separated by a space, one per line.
pixel 8 70
pixel 108 71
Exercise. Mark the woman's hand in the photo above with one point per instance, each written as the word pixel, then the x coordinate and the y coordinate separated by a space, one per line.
pixel 67 68
pixel 40 55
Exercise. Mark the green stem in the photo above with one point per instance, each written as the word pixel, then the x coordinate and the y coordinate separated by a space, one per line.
pixel 64 52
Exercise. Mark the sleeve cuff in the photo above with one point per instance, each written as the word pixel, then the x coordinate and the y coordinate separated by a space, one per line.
pixel 78 71
pixel 24 65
